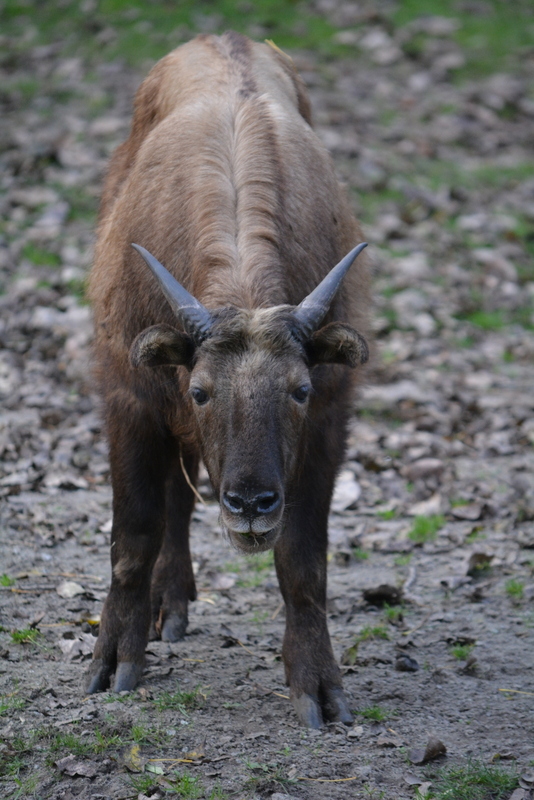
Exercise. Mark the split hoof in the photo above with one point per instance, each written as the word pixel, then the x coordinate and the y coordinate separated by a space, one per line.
pixel 336 708
pixel 174 628
pixel 308 711
pixel 98 676
pixel 127 676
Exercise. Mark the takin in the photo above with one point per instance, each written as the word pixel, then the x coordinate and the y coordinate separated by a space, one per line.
pixel 235 352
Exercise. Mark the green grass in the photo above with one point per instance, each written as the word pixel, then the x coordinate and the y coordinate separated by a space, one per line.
pixel 474 781
pixel 114 29
pixel 491 41
pixel 373 632
pixel 514 589
pixel 425 529
pixel 40 256
pixel 461 651
pixel 180 701
pixel 393 614
pixel 25 636
pixel 359 554
pixel 10 703
pixel 391 514
pixel 374 714
pixel 5 580
pixel 403 561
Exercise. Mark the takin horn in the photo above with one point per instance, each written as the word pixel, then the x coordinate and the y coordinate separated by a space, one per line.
pixel 313 309
pixel 195 318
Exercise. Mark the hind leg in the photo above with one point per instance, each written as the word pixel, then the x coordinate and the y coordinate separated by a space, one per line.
pixel 173 583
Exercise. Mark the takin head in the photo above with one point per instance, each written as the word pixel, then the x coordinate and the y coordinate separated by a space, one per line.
pixel 250 388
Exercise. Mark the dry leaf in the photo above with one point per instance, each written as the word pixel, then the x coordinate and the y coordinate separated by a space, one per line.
pixel 434 749
pixel 69 589
pixel 71 766
pixel 132 759
pixel 380 595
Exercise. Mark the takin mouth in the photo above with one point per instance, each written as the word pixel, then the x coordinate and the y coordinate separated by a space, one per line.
pixel 249 542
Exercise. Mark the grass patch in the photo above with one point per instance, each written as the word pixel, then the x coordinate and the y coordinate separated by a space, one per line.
pixel 40 256
pixel 402 561
pixel 9 702
pixel 393 614
pixel 180 701
pixel 461 651
pixel 25 636
pixel 514 589
pixel 359 554
pixel 474 781
pixel 425 529
pixel 391 514
pixel 374 714
pixel 5 580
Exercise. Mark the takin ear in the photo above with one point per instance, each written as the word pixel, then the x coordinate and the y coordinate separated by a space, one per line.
pixel 337 343
pixel 162 345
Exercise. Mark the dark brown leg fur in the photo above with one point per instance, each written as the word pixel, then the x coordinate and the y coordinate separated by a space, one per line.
pixel 173 583
pixel 300 556
pixel 140 455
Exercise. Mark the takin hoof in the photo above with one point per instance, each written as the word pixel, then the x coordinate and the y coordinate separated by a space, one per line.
pixel 98 676
pixel 127 676
pixel 334 709
pixel 174 628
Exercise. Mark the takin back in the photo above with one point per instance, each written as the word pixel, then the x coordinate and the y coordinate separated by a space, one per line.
pixel 236 352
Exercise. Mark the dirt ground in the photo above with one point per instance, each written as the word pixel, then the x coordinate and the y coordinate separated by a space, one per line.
pixel 436 497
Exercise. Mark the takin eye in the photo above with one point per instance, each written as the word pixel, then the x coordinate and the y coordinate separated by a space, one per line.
pixel 301 394
pixel 199 396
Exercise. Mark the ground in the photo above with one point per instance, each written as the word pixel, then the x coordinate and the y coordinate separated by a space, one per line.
pixel 429 120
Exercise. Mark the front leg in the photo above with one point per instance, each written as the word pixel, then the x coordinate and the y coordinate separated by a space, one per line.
pixel 173 582
pixel 300 556
pixel 139 459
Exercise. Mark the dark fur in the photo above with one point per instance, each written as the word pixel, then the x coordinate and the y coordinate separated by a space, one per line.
pixel 224 182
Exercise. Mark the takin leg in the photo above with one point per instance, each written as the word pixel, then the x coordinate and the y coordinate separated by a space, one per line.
pixel 173 583
pixel 139 458
pixel 300 556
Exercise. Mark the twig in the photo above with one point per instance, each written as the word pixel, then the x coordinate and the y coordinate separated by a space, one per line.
pixel 517 691
pixel 188 480
pixel 278 610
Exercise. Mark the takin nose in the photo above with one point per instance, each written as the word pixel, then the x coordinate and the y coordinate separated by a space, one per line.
pixel 251 507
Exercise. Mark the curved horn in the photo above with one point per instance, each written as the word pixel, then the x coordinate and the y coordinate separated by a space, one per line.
pixel 195 318
pixel 313 309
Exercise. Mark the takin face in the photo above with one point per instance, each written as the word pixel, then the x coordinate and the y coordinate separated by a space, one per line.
pixel 251 390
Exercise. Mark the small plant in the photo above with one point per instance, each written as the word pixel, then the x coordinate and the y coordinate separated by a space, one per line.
pixel 404 560
pixel 475 781
pixel 374 714
pixel 5 580
pixel 461 651
pixel 425 529
pixel 186 786
pixel 394 614
pixel 180 701
pixel 391 514
pixel 25 636
pixel 376 632
pixel 143 784
pixel 10 703
pixel 514 589
pixel 359 554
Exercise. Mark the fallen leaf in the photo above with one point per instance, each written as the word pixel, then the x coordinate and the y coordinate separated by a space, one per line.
pixel 69 589
pixel 423 791
pixel 71 766
pixel 471 512
pixel 411 779
pixel 405 663
pixel 389 740
pixel 433 749
pixel 380 595
pixel 477 563
pixel 355 732
pixel 347 491
pixel 132 758
pixel 348 659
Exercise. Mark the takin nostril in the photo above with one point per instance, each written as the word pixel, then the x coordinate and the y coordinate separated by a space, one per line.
pixel 266 502
pixel 234 502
